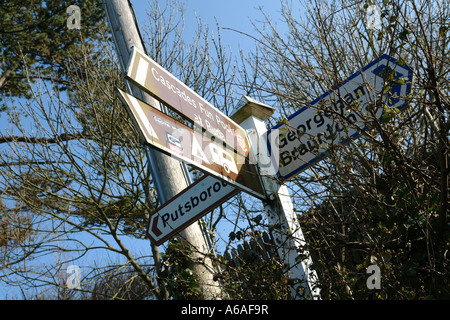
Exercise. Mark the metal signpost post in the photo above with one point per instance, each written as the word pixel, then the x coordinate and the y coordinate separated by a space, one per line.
pixel 126 36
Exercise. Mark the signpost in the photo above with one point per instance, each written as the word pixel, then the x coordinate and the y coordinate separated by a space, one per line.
pixel 158 82
pixel 201 197
pixel 330 120
pixel 338 115
pixel 181 142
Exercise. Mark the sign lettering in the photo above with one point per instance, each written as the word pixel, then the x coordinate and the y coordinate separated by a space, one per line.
pixel 338 115
pixel 187 207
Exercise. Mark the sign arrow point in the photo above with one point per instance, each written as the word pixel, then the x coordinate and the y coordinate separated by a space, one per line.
pixel 154 228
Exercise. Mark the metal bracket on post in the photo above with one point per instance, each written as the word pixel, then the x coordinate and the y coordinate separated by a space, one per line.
pixel 279 209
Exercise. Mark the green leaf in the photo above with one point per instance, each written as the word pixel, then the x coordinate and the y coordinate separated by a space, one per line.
pixel 411 272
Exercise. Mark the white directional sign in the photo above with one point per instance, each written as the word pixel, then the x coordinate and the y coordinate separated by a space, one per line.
pixel 338 115
pixel 187 207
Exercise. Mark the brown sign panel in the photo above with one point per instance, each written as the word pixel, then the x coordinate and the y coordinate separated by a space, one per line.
pixel 158 82
pixel 174 138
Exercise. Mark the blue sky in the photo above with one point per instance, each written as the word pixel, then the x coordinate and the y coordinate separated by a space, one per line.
pixel 234 14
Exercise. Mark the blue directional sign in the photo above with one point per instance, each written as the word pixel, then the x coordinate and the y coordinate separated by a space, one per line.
pixel 338 115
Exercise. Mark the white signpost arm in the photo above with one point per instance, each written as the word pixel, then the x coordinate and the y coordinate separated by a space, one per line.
pixel 278 208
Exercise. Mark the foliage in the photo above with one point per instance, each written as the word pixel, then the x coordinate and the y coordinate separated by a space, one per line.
pixel 182 281
pixel 36 42
pixel 118 284
pixel 255 271
pixel 72 169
